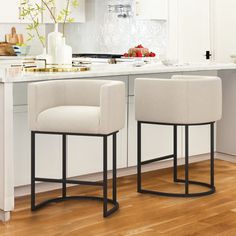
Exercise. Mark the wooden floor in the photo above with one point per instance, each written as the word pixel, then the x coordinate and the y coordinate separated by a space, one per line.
pixel 140 215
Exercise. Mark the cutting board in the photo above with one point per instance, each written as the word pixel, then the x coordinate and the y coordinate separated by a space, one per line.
pixel 14 38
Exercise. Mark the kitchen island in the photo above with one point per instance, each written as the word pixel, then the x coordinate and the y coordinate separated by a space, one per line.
pixel 15 141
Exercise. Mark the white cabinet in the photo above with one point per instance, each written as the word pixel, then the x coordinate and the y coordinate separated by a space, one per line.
pixel 48 151
pixel 77 13
pixel 224 21
pixel 189 30
pixel 46 16
pixel 152 9
pixel 85 154
pixel 11 11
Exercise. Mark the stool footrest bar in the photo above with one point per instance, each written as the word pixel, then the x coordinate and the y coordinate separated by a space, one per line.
pixel 198 194
pixel 79 182
pixel 157 159
pixel 61 199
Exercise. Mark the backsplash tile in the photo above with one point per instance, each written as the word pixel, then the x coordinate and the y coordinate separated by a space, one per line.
pixel 104 32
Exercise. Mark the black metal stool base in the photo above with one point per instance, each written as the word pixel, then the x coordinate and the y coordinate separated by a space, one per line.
pixel 62 199
pixel 64 181
pixel 186 181
pixel 182 195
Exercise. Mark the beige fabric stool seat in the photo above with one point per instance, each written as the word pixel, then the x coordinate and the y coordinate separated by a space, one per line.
pixel 77 107
pixel 179 101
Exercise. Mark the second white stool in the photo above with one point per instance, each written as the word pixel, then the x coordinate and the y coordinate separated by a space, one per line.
pixel 180 101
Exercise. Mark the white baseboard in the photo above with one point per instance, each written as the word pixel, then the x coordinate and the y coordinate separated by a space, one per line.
pixel 44 187
pixel 226 157
pixel 4 216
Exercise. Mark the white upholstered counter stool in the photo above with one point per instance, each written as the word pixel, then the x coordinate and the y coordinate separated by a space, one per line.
pixel 180 101
pixel 77 107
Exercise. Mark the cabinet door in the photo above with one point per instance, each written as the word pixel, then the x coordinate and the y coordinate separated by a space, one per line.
pixel 194 30
pixel 85 154
pixel 48 151
pixel 27 19
pixel 15 9
pixel 77 13
pixel 199 136
pixel 152 9
pixel 10 12
pixel 46 16
pixel 223 24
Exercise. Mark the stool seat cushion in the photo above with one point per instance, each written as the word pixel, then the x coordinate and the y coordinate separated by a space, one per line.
pixel 70 119
pixel 180 100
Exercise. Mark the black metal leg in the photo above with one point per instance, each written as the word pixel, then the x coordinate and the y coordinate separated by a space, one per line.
pixel 186 159
pixel 175 174
pixel 212 154
pixel 139 170
pixel 114 169
pixel 105 176
pixel 32 171
pixel 186 181
pixel 64 181
pixel 64 165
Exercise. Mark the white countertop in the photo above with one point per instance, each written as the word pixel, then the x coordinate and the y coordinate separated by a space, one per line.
pixel 102 70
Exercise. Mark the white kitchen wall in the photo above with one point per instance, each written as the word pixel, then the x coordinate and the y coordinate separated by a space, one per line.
pixel 104 32
pixel 21 29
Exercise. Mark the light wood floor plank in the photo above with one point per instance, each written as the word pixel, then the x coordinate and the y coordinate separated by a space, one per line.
pixel 139 215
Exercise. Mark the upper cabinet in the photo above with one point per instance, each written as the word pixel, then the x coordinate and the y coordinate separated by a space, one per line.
pixel 14 15
pixel 76 13
pixel 11 12
pixel 152 9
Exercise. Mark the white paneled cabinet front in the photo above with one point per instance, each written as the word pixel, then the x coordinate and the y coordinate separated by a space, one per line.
pixel 193 29
pixel 11 10
pixel 77 13
pixel 86 154
pixel 152 9
pixel 48 151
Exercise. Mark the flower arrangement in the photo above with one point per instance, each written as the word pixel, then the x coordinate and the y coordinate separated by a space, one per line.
pixel 33 12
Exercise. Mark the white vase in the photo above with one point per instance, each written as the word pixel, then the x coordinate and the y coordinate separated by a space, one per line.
pixel 64 54
pixel 44 56
pixel 54 44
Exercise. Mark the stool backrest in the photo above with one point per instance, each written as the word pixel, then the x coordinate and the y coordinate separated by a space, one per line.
pixel 180 100
pixel 83 92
